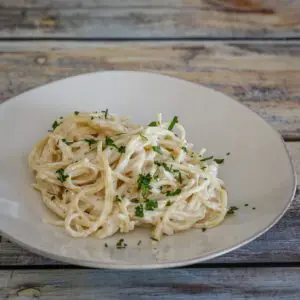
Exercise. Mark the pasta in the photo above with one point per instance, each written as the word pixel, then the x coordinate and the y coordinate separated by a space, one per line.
pixel 101 174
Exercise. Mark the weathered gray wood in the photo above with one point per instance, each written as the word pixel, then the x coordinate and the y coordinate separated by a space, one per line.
pixel 280 244
pixel 200 283
pixel 136 19
pixel 263 76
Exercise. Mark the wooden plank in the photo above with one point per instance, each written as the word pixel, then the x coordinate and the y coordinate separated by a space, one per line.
pixel 141 19
pixel 198 283
pixel 281 244
pixel 263 76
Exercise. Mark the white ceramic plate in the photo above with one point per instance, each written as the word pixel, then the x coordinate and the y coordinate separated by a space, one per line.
pixel 258 172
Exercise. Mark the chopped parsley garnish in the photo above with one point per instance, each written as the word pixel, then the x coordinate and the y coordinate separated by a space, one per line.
pixel 246 204
pixel 219 160
pixel 151 204
pixel 55 124
pixel 60 175
pixel 122 149
pixel 164 165
pixel 143 137
pixel 105 113
pixel 169 169
pixel 173 122
pixel 139 242
pixel 135 200
pixel 253 208
pixel 110 142
pixel 184 149
pixel 53 198
pixel 139 211
pixel 203 229
pixel 105 245
pixel 157 149
pixel 154 239
pixel 66 142
pixel 231 210
pixel 92 118
pixel 120 244
pixel 203 168
pixel 76 113
pixel 175 193
pixel 118 198
pixel 169 203
pixel 91 141
pixel 153 124
pixel 206 158
pixel 228 153
pixel 179 178
pixel 144 183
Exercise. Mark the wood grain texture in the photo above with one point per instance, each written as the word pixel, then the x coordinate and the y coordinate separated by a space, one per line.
pixel 263 76
pixel 281 244
pixel 140 19
pixel 201 283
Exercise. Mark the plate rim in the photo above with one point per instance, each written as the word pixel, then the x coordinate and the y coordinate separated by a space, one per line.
pixel 158 265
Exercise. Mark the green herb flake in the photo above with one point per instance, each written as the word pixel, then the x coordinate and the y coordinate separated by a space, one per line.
pixel 169 203
pixel 135 200
pixel 55 124
pixel 76 113
pixel 105 113
pixel 105 245
pixel 118 198
pixel 110 142
pixel 120 244
pixel 91 141
pixel 175 193
pixel 139 242
pixel 173 122
pixel 151 204
pixel 139 211
pixel 66 142
pixel 228 153
pixel 179 177
pixel 219 160
pixel 184 149
pixel 231 210
pixel 53 198
pixel 154 239
pixel 122 149
pixel 164 165
pixel 144 183
pixel 92 118
pixel 157 149
pixel 60 175
pixel 246 204
pixel 253 208
pixel 203 229
pixel 206 158
pixel 153 124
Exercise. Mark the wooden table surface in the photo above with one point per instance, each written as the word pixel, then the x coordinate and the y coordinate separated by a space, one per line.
pixel 252 55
